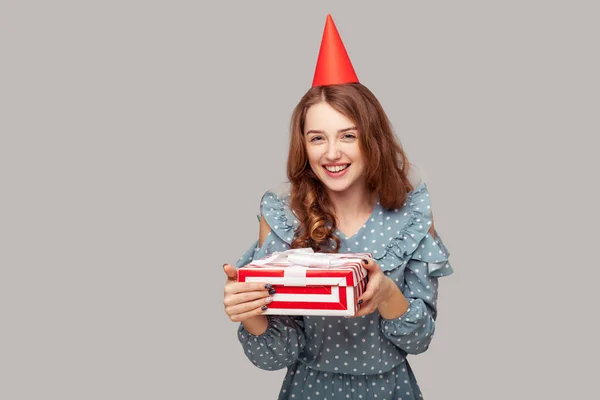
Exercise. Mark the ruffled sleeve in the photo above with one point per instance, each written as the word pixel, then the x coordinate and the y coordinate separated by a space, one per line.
pixel 432 251
pixel 415 260
pixel 279 346
pixel 274 207
pixel 283 223
pixel 414 237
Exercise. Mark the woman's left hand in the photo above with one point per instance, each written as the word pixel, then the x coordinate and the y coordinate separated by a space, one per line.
pixel 379 289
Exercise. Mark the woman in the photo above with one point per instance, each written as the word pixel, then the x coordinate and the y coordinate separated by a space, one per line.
pixel 350 192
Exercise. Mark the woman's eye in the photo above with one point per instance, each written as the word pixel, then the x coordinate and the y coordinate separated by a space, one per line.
pixel 315 138
pixel 349 136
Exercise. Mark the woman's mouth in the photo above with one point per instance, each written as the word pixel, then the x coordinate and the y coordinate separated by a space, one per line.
pixel 336 170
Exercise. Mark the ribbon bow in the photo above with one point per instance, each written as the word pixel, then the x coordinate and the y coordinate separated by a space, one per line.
pixel 306 257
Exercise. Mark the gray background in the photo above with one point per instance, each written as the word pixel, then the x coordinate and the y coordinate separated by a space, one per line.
pixel 138 136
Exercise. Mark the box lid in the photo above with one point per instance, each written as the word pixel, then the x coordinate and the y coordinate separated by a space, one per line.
pixel 302 267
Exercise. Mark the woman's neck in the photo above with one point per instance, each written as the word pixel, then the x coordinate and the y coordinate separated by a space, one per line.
pixel 352 206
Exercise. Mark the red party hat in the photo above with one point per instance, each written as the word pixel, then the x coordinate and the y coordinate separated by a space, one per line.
pixel 333 65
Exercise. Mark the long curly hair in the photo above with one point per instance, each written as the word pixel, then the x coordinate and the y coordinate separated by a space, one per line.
pixel 387 166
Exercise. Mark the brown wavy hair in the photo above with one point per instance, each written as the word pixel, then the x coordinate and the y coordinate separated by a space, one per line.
pixel 386 171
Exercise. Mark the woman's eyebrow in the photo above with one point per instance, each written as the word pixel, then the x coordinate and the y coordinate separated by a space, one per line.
pixel 352 128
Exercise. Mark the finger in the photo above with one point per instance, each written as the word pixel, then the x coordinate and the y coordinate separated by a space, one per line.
pixel 244 297
pixel 248 306
pixel 249 314
pixel 230 271
pixel 359 308
pixel 372 288
pixel 370 265
pixel 367 295
pixel 365 309
pixel 239 287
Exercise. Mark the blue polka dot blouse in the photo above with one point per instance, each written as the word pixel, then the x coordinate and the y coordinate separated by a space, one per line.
pixel 365 357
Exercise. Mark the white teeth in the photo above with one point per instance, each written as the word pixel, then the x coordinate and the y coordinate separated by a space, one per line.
pixel 337 168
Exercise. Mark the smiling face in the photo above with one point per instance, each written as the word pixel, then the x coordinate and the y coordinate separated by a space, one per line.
pixel 333 149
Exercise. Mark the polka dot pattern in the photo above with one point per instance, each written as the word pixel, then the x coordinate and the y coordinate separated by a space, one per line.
pixel 365 357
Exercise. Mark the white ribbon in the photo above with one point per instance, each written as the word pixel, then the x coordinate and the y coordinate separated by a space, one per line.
pixel 307 258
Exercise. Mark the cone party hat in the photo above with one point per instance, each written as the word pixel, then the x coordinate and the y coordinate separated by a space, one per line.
pixel 333 64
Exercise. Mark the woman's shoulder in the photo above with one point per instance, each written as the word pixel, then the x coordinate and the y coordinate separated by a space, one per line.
pixel 276 199
pixel 279 192
pixel 276 211
pixel 416 206
pixel 413 214
pixel 407 233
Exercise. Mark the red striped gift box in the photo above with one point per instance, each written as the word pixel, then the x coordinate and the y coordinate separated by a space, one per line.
pixel 314 284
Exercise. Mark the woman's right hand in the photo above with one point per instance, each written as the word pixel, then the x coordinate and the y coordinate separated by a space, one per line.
pixel 244 300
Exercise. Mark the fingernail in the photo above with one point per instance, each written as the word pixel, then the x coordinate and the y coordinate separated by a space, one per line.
pixel 264 308
pixel 360 302
pixel 224 265
pixel 268 286
pixel 272 291
pixel 365 261
pixel 269 299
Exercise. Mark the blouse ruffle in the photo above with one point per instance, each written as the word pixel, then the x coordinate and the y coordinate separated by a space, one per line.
pixel 414 240
pixel 278 214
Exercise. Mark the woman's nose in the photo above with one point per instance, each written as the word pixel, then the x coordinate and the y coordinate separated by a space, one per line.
pixel 333 152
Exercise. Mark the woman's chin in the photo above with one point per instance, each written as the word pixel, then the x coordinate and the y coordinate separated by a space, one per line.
pixel 338 187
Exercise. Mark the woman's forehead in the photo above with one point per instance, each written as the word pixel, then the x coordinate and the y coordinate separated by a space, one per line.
pixel 323 117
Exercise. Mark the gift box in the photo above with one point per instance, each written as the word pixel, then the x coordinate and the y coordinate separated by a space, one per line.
pixel 309 283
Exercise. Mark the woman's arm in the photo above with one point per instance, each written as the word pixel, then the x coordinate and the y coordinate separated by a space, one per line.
pixel 272 342
pixel 258 325
pixel 413 330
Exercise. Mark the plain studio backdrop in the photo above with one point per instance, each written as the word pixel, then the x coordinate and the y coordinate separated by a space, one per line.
pixel 137 138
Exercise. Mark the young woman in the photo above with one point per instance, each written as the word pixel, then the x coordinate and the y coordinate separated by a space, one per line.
pixel 349 191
